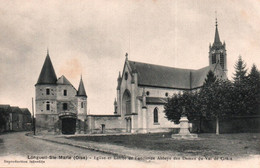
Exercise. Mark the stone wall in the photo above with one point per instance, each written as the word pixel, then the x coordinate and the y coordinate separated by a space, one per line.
pixel 111 124
pixel 232 125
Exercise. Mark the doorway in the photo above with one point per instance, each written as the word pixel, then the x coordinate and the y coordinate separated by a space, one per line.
pixel 68 126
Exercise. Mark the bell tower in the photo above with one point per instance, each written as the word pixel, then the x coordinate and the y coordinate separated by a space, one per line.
pixel 217 51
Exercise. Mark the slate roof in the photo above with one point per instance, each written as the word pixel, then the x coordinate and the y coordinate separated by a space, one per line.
pixel 198 76
pixel 63 81
pixel 16 109
pixel 156 100
pixel 47 75
pixel 25 111
pixel 81 89
pixel 162 76
pixel 169 77
pixel 5 108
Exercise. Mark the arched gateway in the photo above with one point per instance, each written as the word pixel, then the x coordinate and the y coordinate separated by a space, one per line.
pixel 68 123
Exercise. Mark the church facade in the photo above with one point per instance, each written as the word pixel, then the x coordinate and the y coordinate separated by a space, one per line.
pixel 143 90
pixel 60 108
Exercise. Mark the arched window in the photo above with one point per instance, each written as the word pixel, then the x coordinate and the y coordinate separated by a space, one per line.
pixel 155 115
pixel 47 105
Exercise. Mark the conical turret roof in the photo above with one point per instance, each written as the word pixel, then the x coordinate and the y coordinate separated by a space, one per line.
pixel 81 90
pixel 47 75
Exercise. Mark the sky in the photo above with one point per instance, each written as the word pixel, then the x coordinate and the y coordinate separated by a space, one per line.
pixel 91 38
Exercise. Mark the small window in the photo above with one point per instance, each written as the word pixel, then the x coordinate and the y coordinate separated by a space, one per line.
pixel 155 115
pixel 47 91
pixel 65 106
pixel 166 94
pixel 65 92
pixel 47 106
pixel 82 105
pixel 126 75
pixel 147 93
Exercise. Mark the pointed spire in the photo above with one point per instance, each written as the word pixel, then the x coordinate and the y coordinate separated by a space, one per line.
pixel 81 89
pixel 47 75
pixel 217 39
pixel 47 51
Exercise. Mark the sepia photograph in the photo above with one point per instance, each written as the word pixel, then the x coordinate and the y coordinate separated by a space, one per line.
pixel 134 83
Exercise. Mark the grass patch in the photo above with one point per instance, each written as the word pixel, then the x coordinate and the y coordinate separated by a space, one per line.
pixel 206 145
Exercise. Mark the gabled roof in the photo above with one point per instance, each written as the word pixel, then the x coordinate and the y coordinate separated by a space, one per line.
pixel 81 90
pixel 25 111
pixel 161 76
pixel 47 75
pixel 63 81
pixel 5 107
pixel 16 109
pixel 169 77
pixel 198 76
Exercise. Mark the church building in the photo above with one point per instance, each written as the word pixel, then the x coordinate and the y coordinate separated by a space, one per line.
pixel 143 89
pixel 60 107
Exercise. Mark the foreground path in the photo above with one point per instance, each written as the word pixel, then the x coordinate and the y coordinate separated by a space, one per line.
pixel 18 144
pixel 19 150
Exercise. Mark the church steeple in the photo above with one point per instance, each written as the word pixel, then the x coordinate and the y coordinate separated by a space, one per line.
pixel 217 51
pixel 47 75
pixel 81 89
pixel 217 39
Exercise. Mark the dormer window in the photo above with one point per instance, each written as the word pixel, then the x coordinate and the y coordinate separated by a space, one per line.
pixel 64 92
pixel 47 91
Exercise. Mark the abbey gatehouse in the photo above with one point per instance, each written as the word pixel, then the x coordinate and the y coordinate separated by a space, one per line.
pixel 60 107
pixel 142 90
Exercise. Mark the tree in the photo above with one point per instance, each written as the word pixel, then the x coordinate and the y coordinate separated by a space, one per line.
pixel 215 101
pixel 211 78
pixel 173 108
pixel 240 71
pixel 254 77
pixel 253 91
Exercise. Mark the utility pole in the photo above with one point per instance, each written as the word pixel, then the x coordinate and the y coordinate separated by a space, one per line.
pixel 33 120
